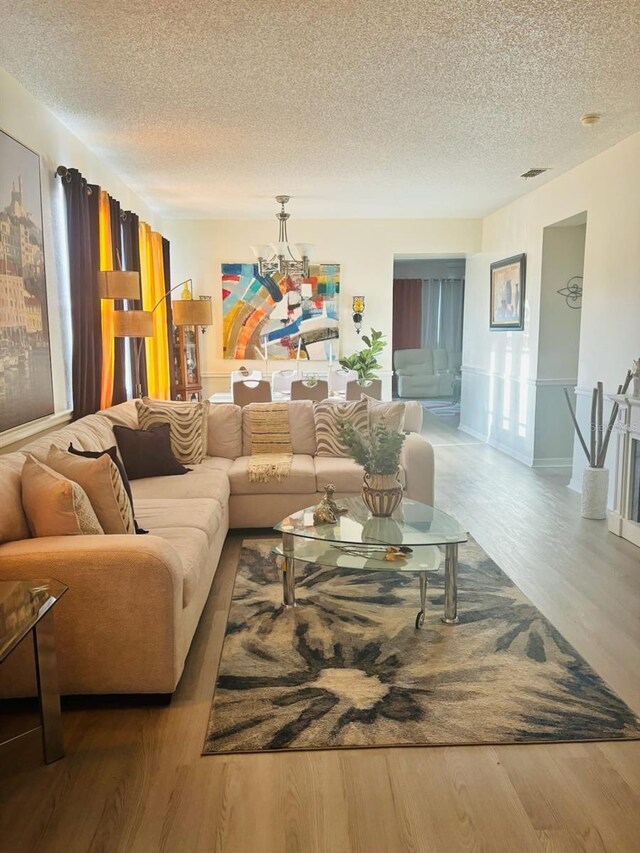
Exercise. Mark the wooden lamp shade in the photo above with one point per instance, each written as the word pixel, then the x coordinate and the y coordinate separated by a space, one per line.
pixel 192 312
pixel 119 284
pixel 133 324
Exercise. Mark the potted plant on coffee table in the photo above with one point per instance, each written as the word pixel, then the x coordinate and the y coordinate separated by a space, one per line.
pixel 378 451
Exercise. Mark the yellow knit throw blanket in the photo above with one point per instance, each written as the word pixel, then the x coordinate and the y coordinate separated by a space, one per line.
pixel 271 449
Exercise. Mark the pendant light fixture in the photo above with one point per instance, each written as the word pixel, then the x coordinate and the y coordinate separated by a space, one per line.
pixel 283 257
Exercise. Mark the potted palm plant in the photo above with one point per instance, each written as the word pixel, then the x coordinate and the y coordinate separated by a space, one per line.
pixel 378 451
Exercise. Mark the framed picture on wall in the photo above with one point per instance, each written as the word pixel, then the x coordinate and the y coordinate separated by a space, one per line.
pixel 507 293
pixel 26 390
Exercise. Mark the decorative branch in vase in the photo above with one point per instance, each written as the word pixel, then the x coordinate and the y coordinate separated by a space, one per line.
pixel 595 483
pixel 365 361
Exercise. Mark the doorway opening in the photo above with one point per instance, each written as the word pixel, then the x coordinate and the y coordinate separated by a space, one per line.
pixel 428 317
pixel 563 246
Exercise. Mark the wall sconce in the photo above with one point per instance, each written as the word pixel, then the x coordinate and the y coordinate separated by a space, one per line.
pixel 357 307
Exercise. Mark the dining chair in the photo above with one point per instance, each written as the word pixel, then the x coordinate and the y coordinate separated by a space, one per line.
pixel 338 379
pixel 281 381
pixel 251 391
pixel 302 390
pixel 244 375
pixel 371 387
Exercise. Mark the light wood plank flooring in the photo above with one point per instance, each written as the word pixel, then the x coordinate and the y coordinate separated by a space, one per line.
pixel 134 779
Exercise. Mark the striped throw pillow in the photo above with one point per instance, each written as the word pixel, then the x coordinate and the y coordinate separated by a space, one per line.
pixel 328 417
pixel 187 423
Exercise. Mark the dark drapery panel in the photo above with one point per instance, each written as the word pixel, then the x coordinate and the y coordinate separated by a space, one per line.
pixel 120 344
pixel 407 313
pixel 131 261
pixel 166 263
pixel 84 261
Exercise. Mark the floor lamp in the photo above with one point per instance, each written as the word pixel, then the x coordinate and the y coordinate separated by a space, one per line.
pixel 137 324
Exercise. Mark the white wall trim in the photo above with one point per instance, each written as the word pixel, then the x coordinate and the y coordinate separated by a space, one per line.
pixel 503 448
pixel 559 462
pixel 25 431
pixel 534 383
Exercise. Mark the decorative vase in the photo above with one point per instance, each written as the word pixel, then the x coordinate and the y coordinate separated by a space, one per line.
pixel 382 493
pixel 595 490
pixel 636 386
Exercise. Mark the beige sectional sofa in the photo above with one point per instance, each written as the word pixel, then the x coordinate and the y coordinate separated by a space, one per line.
pixel 133 605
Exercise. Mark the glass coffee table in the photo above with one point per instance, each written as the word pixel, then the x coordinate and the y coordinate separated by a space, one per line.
pixel 358 541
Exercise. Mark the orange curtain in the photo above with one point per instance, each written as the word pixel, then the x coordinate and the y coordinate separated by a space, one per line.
pixel 106 305
pixel 153 289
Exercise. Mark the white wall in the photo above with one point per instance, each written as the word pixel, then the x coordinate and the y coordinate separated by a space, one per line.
pixel 501 368
pixel 28 121
pixel 365 250
pixel 558 344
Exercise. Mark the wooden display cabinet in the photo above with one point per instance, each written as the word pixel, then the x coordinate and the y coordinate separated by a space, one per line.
pixel 187 362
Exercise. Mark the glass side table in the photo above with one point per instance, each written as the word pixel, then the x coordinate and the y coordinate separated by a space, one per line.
pixel 25 606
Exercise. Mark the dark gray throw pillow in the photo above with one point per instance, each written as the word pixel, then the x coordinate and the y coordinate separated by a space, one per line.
pixel 113 453
pixel 147 452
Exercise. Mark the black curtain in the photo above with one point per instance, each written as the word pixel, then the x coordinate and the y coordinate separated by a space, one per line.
pixel 131 261
pixel 166 264
pixel 82 201
pixel 120 344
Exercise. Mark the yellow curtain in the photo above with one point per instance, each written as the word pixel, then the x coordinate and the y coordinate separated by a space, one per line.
pixel 106 305
pixel 153 289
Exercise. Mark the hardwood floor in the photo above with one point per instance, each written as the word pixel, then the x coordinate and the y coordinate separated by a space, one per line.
pixel 134 779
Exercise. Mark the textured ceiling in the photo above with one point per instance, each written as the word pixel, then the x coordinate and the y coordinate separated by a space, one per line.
pixel 367 108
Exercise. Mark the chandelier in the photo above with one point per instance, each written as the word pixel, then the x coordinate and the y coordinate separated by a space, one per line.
pixel 281 257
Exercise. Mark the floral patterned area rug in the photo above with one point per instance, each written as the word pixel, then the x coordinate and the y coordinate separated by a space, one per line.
pixel 348 668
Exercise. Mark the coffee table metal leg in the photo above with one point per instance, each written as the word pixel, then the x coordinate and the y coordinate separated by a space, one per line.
pixel 423 600
pixel 288 571
pixel 451 585
pixel 48 689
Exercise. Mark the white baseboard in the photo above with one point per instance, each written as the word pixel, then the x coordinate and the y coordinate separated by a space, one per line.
pixel 560 462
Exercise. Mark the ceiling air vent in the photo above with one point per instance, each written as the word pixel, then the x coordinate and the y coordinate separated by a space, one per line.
pixel 533 173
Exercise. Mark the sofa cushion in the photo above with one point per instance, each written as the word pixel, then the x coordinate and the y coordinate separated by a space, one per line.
pixel 93 432
pixel 301 480
pixel 13 521
pixel 224 431
pixel 302 427
pixel 345 474
pixel 391 414
pixel 188 423
pixel 192 547
pixel 205 481
pixel 147 452
pixel 101 480
pixel 328 417
pixel 54 505
pixel 165 513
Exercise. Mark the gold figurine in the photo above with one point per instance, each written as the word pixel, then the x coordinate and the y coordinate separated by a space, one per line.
pixel 327 511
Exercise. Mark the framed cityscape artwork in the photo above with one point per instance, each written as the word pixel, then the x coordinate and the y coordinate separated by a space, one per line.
pixel 26 388
pixel 507 293
pixel 280 317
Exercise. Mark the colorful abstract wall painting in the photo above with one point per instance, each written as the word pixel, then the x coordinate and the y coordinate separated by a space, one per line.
pixel 279 317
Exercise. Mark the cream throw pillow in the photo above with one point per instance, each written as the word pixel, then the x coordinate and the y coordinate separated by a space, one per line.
pixel 188 424
pixel 389 413
pixel 328 416
pixel 102 483
pixel 55 506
